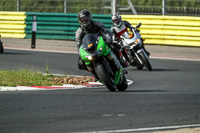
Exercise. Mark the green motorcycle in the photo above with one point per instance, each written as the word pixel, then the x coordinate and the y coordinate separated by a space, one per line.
pixel 103 63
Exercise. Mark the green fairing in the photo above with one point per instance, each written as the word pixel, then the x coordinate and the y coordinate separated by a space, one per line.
pixel 105 49
pixel 83 53
pixel 118 76
pixel 101 44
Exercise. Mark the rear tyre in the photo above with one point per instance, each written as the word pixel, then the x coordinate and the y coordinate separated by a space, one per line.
pixel 1 48
pixel 139 67
pixel 105 77
pixel 145 61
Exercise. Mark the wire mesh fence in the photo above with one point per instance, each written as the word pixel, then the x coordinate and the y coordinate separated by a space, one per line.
pixel 142 7
pixel 171 7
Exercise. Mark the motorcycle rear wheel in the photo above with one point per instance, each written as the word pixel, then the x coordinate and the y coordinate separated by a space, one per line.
pixel 1 48
pixel 105 77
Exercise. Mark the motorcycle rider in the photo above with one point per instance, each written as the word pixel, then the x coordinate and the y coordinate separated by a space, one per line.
pixel 87 25
pixel 119 27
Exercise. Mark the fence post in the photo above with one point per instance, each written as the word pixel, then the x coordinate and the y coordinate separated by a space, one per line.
pixel 164 7
pixel 65 6
pixel 132 7
pixel 18 5
pixel 34 29
pixel 113 6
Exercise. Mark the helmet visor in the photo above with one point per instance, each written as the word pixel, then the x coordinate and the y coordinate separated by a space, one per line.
pixel 83 20
pixel 116 21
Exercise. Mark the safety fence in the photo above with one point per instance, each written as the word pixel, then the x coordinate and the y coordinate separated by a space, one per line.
pixel 165 30
pixel 58 25
pixel 12 24
pixel 53 25
pixel 49 25
pixel 168 30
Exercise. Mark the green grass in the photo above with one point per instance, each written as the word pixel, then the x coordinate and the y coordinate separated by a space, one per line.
pixel 25 77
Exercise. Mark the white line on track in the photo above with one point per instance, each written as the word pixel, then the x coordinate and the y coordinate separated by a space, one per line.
pixel 40 50
pixel 145 129
pixel 168 58
pixel 75 52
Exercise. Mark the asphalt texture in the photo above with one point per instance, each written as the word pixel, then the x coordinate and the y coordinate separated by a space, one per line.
pixel 158 51
pixel 167 96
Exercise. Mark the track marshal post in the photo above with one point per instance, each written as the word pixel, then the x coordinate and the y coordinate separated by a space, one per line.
pixel 34 29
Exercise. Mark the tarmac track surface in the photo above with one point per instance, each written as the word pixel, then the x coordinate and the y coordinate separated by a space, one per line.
pixel 167 96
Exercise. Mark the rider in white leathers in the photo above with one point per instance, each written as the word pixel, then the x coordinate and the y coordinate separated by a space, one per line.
pixel 120 28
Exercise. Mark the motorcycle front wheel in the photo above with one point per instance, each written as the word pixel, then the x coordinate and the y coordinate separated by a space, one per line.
pixel 145 61
pixel 105 77
pixel 123 85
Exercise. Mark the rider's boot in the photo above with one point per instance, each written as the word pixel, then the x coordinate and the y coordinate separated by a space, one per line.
pixel 114 60
pixel 89 69
pixel 123 62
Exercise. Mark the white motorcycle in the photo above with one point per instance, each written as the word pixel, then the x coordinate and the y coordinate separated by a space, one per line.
pixel 134 51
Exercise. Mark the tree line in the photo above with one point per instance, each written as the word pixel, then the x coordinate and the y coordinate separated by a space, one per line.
pixel 96 6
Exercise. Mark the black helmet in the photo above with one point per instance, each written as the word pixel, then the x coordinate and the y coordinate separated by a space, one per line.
pixel 84 18
pixel 117 20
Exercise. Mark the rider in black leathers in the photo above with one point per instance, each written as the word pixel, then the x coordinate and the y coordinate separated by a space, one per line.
pixel 98 28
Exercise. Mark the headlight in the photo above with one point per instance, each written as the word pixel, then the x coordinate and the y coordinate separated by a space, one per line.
pixel 137 41
pixel 89 57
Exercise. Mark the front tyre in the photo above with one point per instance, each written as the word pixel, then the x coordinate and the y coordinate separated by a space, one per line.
pixel 105 77
pixel 145 61
pixel 123 85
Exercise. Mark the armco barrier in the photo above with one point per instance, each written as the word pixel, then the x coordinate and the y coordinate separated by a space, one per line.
pixel 53 25
pixel 49 25
pixel 12 24
pixel 59 25
pixel 168 30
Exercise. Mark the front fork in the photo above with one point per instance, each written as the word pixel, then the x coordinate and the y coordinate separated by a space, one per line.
pixel 138 58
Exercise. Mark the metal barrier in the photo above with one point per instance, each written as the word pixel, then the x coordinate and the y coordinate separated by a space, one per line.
pixel 165 30
pixel 49 25
pixel 59 25
pixel 168 30
pixel 12 24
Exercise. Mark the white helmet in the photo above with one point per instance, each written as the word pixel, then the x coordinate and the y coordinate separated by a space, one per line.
pixel 117 20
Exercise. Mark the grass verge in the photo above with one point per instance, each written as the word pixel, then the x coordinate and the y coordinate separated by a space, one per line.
pixel 27 77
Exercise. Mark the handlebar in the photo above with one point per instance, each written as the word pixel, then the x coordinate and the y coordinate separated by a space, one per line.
pixel 138 25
